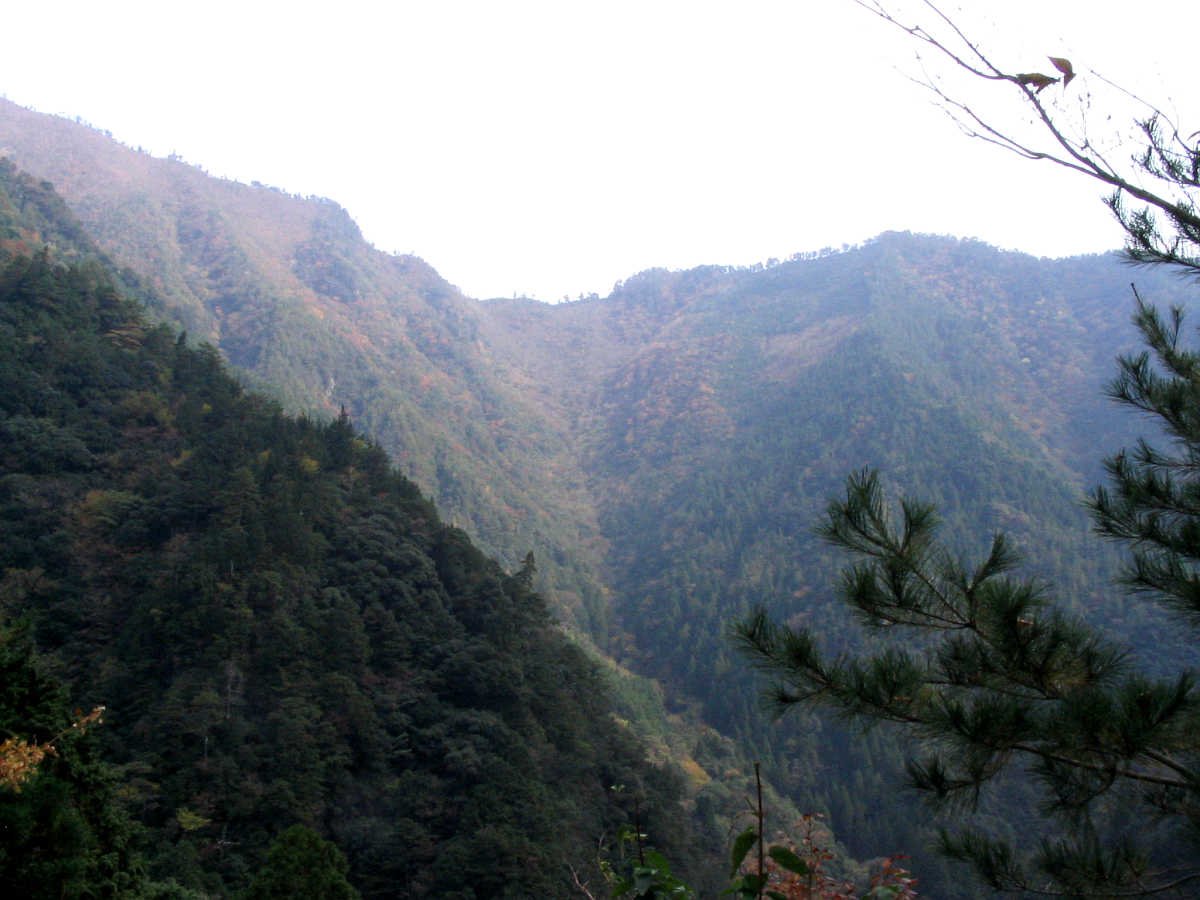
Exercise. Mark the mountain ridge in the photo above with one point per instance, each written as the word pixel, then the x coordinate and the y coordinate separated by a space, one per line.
pixel 664 450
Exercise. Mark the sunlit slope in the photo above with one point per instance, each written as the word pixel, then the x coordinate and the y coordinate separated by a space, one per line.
pixel 294 297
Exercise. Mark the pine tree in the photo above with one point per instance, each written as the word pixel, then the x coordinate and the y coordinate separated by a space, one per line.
pixel 988 674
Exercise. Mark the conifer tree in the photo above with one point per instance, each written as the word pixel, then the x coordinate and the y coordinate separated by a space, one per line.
pixel 989 675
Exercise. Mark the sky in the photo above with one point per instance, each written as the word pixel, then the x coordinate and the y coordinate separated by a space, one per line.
pixel 551 149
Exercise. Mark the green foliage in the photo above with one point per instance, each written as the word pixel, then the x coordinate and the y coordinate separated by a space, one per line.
pixel 650 878
pixel 300 864
pixel 1005 675
pixel 741 846
pixel 1154 502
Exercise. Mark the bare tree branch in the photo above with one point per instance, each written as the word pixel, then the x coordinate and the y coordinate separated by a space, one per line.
pixel 1165 159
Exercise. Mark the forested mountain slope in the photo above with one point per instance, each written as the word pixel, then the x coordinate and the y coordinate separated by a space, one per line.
pixel 666 450
pixel 283 630
pixel 718 412
pixel 293 296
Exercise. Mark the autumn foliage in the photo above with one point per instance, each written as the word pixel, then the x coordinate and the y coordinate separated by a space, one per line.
pixel 20 758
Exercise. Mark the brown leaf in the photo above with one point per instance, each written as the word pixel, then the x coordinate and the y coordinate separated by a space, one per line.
pixel 1064 66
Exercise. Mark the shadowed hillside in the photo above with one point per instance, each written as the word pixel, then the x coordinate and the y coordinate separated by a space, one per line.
pixel 283 630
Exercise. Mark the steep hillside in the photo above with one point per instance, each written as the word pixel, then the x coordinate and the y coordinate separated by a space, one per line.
pixel 293 296
pixel 718 411
pixel 715 412
pixel 282 628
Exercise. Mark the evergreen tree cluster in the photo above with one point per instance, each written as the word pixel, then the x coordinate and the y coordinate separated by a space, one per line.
pixel 282 630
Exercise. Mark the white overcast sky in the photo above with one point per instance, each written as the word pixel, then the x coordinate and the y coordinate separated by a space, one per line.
pixel 552 148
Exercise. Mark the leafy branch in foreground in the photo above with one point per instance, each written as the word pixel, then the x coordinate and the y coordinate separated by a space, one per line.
pixel 1002 678
pixel 20 758
pixel 1155 496
pixel 993 677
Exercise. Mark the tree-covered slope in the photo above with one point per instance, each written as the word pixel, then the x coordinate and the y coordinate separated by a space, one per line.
pixel 290 293
pixel 717 410
pixel 723 409
pixel 280 625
